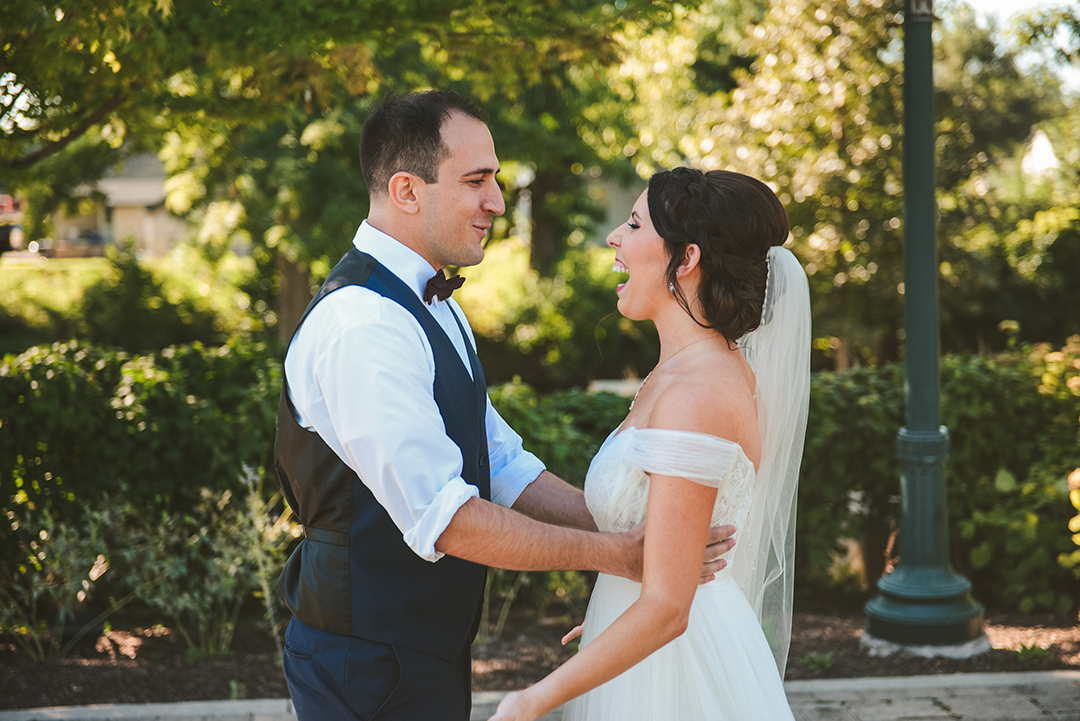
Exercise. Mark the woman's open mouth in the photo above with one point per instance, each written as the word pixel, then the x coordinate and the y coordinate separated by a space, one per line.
pixel 620 267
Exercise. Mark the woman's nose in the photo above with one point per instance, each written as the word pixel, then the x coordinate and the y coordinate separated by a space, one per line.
pixel 613 238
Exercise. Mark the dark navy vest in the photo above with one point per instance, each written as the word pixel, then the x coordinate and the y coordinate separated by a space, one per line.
pixel 352 574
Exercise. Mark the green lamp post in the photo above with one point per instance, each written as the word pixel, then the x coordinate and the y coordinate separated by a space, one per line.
pixel 923 602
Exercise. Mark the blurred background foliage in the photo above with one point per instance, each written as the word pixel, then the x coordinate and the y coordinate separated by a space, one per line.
pixel 259 137
pixel 166 397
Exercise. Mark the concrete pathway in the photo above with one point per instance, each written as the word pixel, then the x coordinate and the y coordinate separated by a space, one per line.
pixel 1041 695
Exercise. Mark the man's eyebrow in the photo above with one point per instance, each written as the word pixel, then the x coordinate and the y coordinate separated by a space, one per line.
pixel 481 171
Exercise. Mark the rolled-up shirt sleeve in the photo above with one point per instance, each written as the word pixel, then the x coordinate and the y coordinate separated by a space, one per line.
pixel 366 388
pixel 512 467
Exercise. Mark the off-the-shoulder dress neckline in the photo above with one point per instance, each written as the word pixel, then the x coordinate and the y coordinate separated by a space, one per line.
pixel 620 430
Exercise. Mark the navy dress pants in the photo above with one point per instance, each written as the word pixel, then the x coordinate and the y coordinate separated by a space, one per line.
pixel 342 678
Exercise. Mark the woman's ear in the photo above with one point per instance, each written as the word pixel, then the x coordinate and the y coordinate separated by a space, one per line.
pixel 690 260
pixel 405 191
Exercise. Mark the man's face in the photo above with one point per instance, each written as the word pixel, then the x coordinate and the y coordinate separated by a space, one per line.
pixel 458 209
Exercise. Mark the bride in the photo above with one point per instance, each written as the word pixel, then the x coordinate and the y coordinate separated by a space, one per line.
pixel 714 436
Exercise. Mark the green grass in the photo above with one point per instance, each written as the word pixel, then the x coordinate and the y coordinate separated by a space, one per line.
pixel 37 292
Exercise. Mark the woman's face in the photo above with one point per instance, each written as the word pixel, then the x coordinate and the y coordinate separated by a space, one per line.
pixel 640 252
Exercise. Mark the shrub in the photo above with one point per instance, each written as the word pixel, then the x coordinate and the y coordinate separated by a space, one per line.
pixel 1071 560
pixel 200 567
pixel 850 475
pixel 1014 444
pixel 129 309
pixel 53 573
pixel 565 428
pixel 1013 440
pixel 78 422
pixel 38 301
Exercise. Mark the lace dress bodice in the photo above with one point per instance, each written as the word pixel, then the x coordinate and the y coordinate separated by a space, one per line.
pixel 617 484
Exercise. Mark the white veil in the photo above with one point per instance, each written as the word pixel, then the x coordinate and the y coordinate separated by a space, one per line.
pixel 779 354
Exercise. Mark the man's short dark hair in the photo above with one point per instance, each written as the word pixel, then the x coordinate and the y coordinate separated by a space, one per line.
pixel 404 134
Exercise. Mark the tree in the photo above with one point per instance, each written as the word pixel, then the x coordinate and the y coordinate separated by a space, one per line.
pixel 217 76
pixel 1053 28
pixel 818 115
pixel 122 64
pixel 999 223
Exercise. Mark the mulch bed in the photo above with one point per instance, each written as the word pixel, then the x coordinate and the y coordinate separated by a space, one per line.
pixel 135 663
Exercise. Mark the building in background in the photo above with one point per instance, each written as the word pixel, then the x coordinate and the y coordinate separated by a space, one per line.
pixel 130 207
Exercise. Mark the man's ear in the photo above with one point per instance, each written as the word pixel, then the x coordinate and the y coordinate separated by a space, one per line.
pixel 690 261
pixel 405 189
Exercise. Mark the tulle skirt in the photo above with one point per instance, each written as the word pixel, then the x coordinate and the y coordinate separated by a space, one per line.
pixel 721 669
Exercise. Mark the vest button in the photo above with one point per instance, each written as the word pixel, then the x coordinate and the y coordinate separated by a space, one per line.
pixel 483 461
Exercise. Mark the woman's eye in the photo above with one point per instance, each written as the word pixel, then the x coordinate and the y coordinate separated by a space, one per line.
pixel 633 225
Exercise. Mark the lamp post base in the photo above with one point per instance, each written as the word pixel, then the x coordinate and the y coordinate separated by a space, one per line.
pixel 924 607
pixel 880 647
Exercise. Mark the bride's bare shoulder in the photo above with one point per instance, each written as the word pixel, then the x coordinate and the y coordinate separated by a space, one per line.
pixel 720 405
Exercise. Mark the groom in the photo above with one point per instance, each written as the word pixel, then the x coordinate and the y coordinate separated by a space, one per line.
pixel 407 481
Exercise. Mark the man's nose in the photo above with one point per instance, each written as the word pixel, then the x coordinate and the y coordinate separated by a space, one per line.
pixel 494 202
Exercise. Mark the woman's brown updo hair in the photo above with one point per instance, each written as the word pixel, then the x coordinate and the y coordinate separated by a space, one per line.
pixel 734 219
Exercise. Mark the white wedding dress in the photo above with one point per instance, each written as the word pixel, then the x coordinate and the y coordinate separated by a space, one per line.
pixel 722 668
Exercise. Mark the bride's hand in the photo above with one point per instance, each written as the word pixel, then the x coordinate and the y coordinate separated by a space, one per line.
pixel 515 707
pixel 575 632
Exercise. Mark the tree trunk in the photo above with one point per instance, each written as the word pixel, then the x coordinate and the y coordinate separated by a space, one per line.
pixel 547 227
pixel 294 293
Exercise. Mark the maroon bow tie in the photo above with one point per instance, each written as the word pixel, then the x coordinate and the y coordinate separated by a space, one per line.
pixel 439 286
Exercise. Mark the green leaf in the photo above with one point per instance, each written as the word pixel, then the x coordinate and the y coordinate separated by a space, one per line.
pixel 1004 481
pixel 981 555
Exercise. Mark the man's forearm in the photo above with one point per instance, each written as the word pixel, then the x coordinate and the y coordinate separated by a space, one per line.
pixel 552 500
pixel 491 535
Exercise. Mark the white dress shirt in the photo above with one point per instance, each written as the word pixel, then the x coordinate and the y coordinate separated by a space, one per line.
pixel 361 374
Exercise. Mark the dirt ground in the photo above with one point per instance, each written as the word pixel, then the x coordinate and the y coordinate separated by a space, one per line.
pixel 134 663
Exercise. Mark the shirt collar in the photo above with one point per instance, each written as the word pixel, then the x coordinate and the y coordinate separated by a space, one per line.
pixel 398 258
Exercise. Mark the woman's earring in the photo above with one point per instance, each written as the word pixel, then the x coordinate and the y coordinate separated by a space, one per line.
pixel 671 287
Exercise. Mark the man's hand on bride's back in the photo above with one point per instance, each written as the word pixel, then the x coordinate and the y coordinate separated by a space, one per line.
pixel 718 542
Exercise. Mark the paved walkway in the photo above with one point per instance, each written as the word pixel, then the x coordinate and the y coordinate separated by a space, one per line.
pixel 1042 696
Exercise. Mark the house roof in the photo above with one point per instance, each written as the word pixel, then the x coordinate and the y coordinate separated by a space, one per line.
pixel 140 182
pixel 128 192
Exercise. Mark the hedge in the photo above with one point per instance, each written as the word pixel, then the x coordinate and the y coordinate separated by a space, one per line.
pixel 79 423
